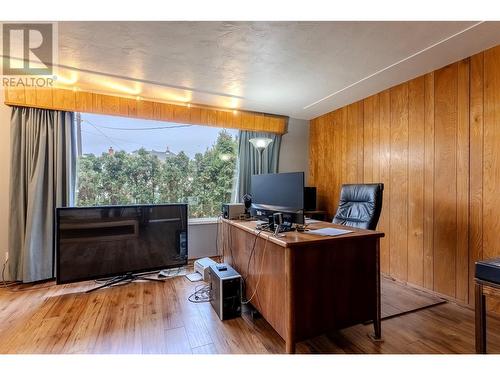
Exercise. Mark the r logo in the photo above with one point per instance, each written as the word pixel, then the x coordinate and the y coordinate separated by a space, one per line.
pixel 27 48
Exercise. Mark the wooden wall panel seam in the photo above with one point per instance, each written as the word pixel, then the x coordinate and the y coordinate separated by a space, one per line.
pixel 431 229
pixel 463 184
pixel 416 181
pixel 385 219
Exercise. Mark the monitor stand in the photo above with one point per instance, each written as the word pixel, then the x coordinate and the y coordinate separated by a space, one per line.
pixel 127 278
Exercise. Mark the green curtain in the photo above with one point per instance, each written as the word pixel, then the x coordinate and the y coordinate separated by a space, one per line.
pixel 43 177
pixel 248 160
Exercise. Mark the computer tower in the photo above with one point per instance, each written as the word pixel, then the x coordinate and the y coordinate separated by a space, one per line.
pixel 226 291
pixel 309 198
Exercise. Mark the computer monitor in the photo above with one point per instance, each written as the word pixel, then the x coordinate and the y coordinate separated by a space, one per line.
pixel 278 193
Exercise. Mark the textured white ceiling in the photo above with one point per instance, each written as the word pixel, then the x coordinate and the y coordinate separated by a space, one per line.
pixel 277 67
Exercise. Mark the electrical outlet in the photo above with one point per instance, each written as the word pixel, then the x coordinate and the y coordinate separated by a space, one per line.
pixel 6 256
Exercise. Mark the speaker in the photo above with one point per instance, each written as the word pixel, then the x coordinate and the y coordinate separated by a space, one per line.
pixel 233 211
pixel 278 218
pixel 309 198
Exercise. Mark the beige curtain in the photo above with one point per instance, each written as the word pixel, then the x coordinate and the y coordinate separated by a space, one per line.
pixel 43 163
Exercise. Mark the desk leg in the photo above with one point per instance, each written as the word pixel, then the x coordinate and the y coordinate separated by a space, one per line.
pixel 377 321
pixel 290 312
pixel 480 320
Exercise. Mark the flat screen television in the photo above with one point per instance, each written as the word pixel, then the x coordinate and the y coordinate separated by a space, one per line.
pixel 101 242
pixel 278 192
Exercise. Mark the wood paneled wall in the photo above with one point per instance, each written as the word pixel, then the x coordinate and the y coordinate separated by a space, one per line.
pixel 435 144
pixel 80 101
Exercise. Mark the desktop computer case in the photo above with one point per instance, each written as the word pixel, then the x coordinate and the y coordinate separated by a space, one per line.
pixel 226 292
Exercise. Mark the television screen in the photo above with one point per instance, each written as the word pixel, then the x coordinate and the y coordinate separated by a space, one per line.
pixel 283 190
pixel 99 242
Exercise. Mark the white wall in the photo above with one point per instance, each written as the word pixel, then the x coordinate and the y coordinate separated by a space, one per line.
pixel 4 176
pixel 294 154
pixel 202 240
pixel 202 237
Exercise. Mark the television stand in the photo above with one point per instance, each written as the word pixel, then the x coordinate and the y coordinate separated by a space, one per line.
pixel 127 278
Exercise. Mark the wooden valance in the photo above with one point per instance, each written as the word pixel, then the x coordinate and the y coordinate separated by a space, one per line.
pixel 82 101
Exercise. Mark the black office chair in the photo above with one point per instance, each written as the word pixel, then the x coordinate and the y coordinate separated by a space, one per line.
pixel 360 205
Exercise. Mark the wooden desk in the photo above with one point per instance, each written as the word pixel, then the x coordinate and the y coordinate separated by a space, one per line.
pixel 309 284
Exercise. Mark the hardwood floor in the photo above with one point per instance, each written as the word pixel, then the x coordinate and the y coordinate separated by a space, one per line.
pixel 148 317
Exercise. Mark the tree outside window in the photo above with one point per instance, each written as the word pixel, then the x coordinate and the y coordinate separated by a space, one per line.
pixel 125 174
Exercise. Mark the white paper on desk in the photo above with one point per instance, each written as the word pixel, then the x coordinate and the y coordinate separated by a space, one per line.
pixel 329 231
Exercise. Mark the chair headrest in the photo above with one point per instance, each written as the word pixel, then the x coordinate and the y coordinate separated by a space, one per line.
pixel 361 192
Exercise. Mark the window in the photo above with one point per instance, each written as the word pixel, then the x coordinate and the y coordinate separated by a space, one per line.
pixel 131 161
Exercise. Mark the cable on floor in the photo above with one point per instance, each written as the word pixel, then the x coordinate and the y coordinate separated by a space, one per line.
pixel 7 284
pixel 202 293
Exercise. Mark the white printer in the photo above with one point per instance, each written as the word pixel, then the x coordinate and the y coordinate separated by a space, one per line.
pixel 202 266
